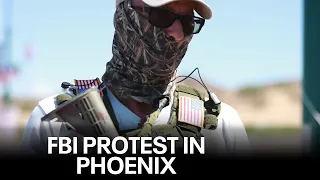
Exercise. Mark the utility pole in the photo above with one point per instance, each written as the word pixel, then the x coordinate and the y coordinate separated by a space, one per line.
pixel 7 69
pixel 311 73
pixel 9 113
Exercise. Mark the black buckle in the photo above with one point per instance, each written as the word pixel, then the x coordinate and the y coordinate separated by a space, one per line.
pixel 160 102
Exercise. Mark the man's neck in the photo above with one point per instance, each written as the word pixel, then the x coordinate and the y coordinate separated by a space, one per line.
pixel 139 108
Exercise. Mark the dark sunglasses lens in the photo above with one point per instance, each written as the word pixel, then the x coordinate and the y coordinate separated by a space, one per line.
pixel 164 19
pixel 198 23
pixel 188 25
pixel 191 25
pixel 161 18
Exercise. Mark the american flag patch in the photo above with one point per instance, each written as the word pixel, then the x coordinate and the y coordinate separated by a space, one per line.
pixel 86 84
pixel 191 111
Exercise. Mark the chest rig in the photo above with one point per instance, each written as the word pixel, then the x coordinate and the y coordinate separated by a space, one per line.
pixel 190 113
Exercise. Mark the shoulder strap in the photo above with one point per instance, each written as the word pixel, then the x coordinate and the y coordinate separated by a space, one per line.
pixel 111 112
pixel 109 108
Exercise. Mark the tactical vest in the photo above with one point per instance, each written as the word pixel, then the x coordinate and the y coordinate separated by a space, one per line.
pixel 190 113
pixel 187 101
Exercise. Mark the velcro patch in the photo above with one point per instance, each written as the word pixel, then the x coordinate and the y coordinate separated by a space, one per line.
pixel 191 111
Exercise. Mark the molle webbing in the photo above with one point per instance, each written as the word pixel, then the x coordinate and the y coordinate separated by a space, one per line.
pixel 191 91
pixel 147 126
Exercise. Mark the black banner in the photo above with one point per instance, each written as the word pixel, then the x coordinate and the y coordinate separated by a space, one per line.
pixel 147 166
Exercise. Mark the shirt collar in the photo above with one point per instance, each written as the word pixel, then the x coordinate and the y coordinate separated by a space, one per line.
pixel 126 118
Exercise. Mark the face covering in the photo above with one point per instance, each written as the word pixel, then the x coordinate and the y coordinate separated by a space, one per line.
pixel 144 59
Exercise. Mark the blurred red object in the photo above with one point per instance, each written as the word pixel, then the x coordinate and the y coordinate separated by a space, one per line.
pixel 7 73
pixel 29 51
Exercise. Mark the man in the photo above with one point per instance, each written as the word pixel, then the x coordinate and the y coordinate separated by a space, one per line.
pixel 151 39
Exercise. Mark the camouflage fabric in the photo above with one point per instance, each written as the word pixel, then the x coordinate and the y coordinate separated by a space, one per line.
pixel 144 57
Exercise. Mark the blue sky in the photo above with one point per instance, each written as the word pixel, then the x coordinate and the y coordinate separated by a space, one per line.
pixel 246 42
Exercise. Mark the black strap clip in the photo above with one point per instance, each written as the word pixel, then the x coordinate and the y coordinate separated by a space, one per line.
pixel 161 102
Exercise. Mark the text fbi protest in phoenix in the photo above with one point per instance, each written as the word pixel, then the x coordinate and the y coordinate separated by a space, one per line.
pixel 120 146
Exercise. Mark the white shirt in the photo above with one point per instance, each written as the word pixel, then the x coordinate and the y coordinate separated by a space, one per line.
pixel 229 137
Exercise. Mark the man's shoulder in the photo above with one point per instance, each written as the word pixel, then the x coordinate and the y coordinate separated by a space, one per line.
pixel 230 115
pixel 227 109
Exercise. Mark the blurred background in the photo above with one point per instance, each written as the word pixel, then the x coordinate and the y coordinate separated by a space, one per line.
pixel 250 54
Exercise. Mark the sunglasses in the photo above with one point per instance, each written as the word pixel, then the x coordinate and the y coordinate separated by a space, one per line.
pixel 163 19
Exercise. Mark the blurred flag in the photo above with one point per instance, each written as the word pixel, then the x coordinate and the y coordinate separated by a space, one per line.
pixel 86 84
pixel 7 72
